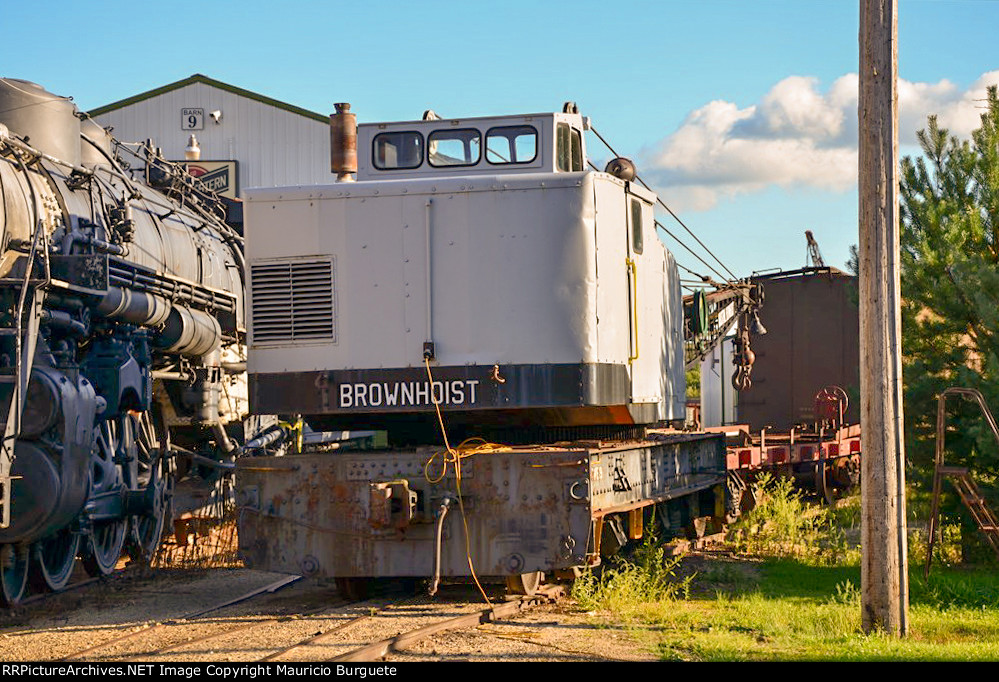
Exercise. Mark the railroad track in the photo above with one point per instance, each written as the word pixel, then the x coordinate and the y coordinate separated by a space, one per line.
pixel 147 631
pixel 283 621
pixel 81 582
pixel 345 630
pixel 403 641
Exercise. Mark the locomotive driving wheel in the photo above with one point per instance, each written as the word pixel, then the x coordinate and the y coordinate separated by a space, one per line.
pixel 149 472
pixel 14 563
pixel 107 539
pixel 52 560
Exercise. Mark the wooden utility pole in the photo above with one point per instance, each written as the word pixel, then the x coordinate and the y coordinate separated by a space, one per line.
pixel 884 578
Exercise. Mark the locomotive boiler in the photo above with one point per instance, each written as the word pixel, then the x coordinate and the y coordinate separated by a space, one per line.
pixel 476 282
pixel 121 342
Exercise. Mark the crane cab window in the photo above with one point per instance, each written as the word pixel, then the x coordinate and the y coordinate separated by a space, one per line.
pixel 636 225
pixel 568 148
pixel 454 147
pixel 396 151
pixel 511 144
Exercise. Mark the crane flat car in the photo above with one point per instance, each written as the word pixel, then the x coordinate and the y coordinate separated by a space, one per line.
pixel 526 508
pixel 478 283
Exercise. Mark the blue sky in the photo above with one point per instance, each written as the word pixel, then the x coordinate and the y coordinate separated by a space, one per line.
pixel 742 114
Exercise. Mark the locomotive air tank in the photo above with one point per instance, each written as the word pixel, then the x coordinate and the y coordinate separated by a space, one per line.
pixel 108 287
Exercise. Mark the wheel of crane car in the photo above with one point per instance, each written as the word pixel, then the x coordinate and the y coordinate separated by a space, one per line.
pixel 52 561
pixel 526 584
pixel 355 589
pixel 823 487
pixel 13 575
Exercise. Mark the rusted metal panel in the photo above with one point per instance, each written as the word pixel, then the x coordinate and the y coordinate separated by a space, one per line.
pixel 668 467
pixel 812 341
pixel 525 509
pixel 317 518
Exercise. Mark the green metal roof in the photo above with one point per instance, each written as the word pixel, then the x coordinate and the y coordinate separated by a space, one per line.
pixel 199 78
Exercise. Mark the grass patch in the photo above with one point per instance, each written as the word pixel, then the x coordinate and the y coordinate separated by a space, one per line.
pixel 782 524
pixel 788 589
pixel 802 612
pixel 635 587
pixel 795 611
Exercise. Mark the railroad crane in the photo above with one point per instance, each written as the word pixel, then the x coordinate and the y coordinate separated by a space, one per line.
pixel 814 255
pixel 510 318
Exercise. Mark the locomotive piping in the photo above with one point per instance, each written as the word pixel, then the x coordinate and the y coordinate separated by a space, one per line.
pixel 112 299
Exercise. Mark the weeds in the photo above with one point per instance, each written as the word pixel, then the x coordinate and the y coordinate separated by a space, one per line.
pixel 648 579
pixel 846 593
pixel 802 601
pixel 846 513
pixel 950 589
pixel 723 574
pixel 782 525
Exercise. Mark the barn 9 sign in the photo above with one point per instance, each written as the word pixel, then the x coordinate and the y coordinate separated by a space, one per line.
pixel 192 119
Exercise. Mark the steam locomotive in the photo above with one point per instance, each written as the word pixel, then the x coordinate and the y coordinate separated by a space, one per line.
pixel 122 356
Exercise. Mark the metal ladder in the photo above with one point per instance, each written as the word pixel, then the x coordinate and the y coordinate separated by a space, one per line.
pixel 14 379
pixel 961 478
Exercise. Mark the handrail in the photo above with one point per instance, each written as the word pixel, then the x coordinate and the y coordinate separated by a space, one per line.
pixel 633 276
pixel 942 416
pixel 938 459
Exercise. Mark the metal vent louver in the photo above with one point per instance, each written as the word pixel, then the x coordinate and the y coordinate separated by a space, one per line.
pixel 292 301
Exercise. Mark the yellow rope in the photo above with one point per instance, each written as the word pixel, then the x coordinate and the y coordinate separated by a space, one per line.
pixel 453 456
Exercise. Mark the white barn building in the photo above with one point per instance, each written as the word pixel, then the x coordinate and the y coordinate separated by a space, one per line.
pixel 260 141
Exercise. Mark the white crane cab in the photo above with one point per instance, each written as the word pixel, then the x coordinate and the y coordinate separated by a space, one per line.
pixel 474 263
pixel 476 266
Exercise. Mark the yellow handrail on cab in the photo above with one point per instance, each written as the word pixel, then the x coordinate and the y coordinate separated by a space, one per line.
pixel 633 276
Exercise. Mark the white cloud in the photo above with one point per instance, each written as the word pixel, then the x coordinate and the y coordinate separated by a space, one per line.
pixel 795 136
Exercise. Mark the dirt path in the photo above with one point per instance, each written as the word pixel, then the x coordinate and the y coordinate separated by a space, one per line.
pixel 100 619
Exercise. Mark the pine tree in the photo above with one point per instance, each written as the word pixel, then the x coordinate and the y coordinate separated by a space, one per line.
pixel 950 291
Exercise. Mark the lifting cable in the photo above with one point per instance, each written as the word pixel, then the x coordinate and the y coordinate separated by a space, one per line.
pixel 675 217
pixel 699 276
pixel 678 241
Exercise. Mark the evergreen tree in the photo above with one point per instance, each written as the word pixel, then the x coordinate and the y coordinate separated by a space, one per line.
pixel 950 291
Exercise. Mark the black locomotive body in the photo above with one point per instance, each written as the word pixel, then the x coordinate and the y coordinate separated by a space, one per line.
pixel 122 363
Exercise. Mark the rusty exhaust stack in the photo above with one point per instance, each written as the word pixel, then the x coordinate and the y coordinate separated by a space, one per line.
pixel 343 143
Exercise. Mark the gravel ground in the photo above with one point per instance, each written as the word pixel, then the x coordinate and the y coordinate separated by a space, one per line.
pixel 70 623
pixel 552 632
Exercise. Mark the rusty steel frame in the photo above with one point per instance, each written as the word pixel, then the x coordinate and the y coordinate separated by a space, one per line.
pixel 526 509
pixel 795 448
